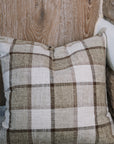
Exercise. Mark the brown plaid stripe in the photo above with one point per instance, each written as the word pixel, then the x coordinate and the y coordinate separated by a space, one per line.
pixel 55 96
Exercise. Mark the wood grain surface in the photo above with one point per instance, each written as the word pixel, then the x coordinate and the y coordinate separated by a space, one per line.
pixel 52 22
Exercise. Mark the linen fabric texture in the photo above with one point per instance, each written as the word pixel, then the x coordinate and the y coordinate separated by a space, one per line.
pixel 110 90
pixel 55 95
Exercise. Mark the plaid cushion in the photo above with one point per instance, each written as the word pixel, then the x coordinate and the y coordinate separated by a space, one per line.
pixel 110 90
pixel 55 95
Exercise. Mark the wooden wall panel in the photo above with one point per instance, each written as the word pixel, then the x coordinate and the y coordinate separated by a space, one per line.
pixel 52 22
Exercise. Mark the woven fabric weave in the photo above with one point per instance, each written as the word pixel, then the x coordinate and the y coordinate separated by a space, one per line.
pixel 55 95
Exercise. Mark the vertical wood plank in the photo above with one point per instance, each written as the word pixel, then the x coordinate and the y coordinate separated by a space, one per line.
pixel 52 22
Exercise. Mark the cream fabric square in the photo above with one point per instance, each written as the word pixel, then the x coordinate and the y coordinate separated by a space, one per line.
pixel 86 116
pixel 40 50
pixel 83 73
pixel 40 75
pixel 74 47
pixel 41 119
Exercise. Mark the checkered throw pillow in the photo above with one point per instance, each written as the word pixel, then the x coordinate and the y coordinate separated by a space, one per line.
pixel 110 90
pixel 55 95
